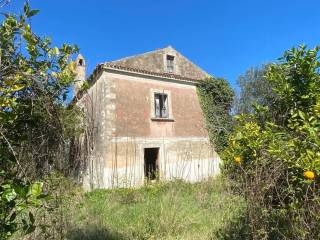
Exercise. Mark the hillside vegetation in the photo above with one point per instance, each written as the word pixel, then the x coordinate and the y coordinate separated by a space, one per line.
pixel 173 210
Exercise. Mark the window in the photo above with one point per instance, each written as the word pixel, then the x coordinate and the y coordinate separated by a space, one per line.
pixel 161 105
pixel 170 63
pixel 80 63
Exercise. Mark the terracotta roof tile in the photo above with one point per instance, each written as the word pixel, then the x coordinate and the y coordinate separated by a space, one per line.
pixel 139 70
pixel 93 77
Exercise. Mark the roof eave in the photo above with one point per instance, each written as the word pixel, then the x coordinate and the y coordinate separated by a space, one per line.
pixel 119 69
pixel 153 75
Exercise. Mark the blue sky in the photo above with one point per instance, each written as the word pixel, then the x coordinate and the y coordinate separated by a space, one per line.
pixel 225 38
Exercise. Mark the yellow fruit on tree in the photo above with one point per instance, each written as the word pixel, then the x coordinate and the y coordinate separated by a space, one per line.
pixel 309 175
pixel 237 159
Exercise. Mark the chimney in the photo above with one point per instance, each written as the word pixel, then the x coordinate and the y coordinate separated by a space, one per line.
pixel 80 70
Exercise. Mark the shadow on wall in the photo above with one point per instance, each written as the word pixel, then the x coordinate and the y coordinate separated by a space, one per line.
pixel 94 233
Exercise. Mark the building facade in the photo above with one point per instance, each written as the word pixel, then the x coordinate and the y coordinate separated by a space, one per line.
pixel 145 121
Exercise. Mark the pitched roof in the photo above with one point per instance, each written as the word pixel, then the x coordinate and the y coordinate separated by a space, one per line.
pixel 154 63
pixel 140 70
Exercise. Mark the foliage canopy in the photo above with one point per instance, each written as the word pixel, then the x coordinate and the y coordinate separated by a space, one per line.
pixel 34 82
pixel 279 151
pixel 255 89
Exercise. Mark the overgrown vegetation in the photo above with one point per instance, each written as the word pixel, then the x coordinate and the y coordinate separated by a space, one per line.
pixel 174 210
pixel 216 98
pixel 271 155
pixel 274 152
pixel 34 123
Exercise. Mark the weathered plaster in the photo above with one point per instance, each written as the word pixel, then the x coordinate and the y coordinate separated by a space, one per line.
pixel 155 62
pixel 120 110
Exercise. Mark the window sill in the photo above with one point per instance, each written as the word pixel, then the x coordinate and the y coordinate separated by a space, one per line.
pixel 162 119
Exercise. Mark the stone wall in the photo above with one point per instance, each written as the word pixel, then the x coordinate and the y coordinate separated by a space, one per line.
pixel 191 159
pixel 134 105
pixel 119 111
pixel 98 105
pixel 155 62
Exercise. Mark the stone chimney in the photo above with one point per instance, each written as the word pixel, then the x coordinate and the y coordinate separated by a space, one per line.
pixel 80 70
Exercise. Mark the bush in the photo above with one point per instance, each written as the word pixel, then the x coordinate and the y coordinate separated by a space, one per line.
pixel 54 219
pixel 274 153
pixel 35 124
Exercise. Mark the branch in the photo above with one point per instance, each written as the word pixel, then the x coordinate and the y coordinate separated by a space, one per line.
pixel 13 152
pixel 4 2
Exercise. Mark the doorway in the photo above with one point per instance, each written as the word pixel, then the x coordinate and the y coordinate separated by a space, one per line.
pixel 151 163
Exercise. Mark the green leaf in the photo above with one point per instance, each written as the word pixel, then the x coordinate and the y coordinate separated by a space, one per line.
pixel 21 190
pixel 9 195
pixel 26 8
pixel 21 206
pixel 55 51
pixel 35 189
pixel 32 13
pixel 301 115
pixel 17 87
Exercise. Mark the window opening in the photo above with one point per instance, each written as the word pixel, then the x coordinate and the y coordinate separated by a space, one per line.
pixel 161 105
pixel 170 63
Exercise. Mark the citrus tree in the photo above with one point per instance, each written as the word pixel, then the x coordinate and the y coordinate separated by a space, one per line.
pixel 34 82
pixel 274 153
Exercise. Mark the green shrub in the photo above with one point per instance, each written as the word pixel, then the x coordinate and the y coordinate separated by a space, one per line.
pixel 274 153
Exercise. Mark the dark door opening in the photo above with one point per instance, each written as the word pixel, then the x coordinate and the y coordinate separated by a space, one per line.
pixel 151 166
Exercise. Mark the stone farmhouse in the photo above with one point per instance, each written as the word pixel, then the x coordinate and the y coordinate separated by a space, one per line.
pixel 146 123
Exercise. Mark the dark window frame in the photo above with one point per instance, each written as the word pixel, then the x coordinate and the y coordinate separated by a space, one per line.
pixel 170 63
pixel 161 105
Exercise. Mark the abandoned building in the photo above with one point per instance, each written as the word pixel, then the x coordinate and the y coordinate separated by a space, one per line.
pixel 145 121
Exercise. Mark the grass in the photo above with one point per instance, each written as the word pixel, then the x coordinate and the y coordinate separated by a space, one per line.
pixel 174 210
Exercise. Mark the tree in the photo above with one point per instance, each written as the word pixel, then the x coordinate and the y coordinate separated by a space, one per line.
pixel 276 161
pixel 254 89
pixel 35 79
